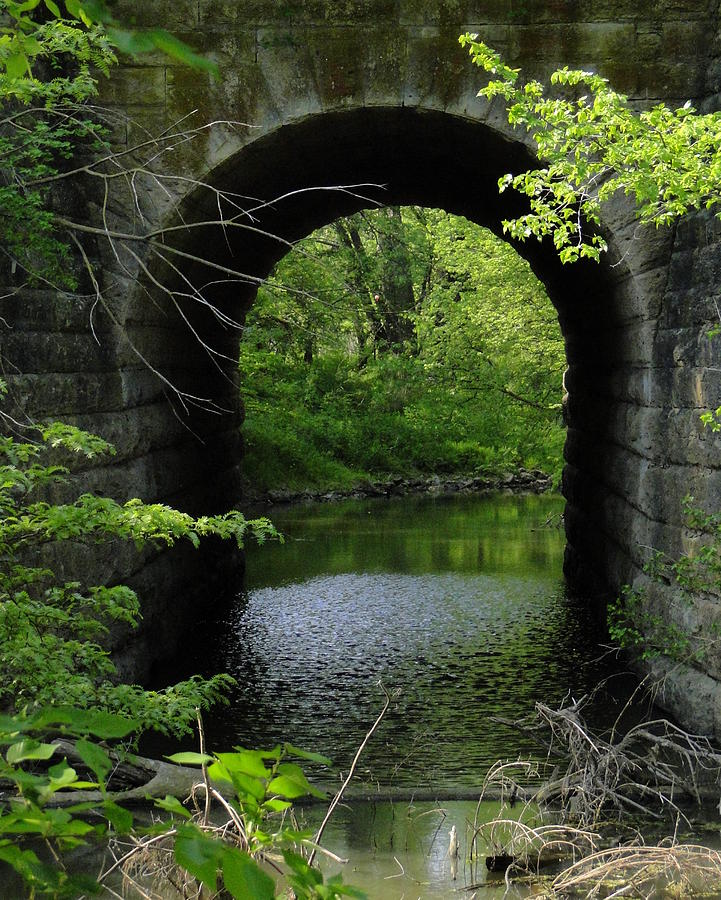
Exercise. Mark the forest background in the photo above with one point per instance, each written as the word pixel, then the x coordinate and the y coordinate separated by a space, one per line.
pixel 400 341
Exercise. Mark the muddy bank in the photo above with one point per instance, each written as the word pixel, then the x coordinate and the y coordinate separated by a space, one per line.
pixel 397 485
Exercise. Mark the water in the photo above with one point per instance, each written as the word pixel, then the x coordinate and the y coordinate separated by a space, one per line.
pixel 399 851
pixel 457 604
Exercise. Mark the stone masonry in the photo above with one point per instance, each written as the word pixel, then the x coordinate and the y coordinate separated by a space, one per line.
pixel 321 93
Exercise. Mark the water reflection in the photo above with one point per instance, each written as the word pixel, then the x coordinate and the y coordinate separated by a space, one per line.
pixel 456 602
pixel 401 850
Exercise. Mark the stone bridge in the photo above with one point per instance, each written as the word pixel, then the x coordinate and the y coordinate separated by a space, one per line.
pixel 321 93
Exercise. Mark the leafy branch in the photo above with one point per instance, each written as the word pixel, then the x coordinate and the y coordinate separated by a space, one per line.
pixel 52 631
pixel 593 145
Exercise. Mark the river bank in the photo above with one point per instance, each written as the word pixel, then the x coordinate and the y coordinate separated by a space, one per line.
pixel 519 481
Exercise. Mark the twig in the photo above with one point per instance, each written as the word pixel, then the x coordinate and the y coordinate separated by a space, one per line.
pixel 203 767
pixel 336 800
pixel 142 845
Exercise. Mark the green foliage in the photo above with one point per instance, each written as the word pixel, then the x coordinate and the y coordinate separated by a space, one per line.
pixel 464 375
pixel 265 782
pixel 593 145
pixel 30 817
pixel 21 43
pixel 712 419
pixel 635 626
pixel 48 72
pixel 51 630
pixel 698 571
pixel 51 54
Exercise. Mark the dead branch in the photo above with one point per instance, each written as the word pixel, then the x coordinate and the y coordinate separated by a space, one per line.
pixel 336 800
pixel 679 870
pixel 646 769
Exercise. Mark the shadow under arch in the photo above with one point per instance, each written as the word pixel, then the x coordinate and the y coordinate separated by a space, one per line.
pixel 413 157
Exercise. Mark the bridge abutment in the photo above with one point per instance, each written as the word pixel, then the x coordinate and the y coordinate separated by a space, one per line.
pixel 379 94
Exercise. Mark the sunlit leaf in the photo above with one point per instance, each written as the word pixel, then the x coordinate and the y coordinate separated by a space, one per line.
pixel 249 762
pixel 292 783
pixel 190 758
pixel 29 749
pixel 17 66
pixel 243 877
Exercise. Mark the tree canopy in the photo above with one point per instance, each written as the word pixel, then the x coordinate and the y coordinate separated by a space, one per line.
pixel 400 340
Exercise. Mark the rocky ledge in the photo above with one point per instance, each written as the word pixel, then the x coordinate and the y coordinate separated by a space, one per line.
pixel 396 485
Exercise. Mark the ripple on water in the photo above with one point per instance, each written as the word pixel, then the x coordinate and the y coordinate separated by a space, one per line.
pixel 460 648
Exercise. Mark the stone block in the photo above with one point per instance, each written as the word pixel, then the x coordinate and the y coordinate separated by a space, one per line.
pixel 440 73
pixel 59 396
pixel 297 12
pixel 170 14
pixel 243 12
pixel 548 11
pixel 135 85
pixel 283 56
pixel 689 694
pixel 586 45
pixel 346 72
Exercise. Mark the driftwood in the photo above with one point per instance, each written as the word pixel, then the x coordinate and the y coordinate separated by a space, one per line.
pixel 647 769
pixel 132 779
pixel 665 870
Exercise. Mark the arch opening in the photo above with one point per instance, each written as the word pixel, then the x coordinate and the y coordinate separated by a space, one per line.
pixel 400 343
pixel 307 174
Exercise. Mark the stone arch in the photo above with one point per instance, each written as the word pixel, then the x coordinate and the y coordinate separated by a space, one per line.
pixel 357 88
pixel 427 157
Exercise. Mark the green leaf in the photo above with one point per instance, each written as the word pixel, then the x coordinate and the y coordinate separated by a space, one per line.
pixel 131 42
pixel 307 754
pixel 274 753
pixel 77 9
pixel 292 783
pixel 250 762
pixel 172 805
pixel 19 8
pixel 97 10
pixel 61 776
pixel 335 883
pixel 121 819
pixel 275 805
pixel 199 854
pixel 29 749
pixel 179 50
pixel 190 758
pixel 17 66
pixel 103 725
pixel 95 758
pixel 244 878
pixel 300 866
pixel 248 786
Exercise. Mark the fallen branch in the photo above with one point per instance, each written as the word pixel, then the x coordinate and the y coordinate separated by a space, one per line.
pixel 647 769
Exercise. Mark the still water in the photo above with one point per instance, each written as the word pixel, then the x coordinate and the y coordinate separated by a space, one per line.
pixel 456 603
